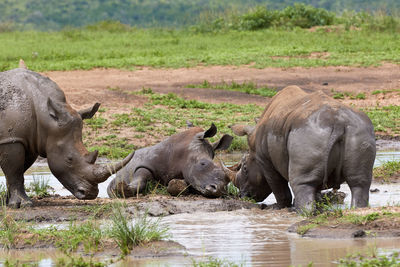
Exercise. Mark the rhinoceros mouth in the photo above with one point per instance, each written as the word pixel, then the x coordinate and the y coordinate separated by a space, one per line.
pixel 86 194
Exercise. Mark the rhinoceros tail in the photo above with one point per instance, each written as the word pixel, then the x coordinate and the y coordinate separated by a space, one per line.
pixel 336 136
pixel 22 64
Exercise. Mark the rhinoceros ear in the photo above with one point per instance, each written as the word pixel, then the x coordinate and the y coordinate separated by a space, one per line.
pixel 223 143
pixel 241 130
pixel 54 110
pixel 88 113
pixel 211 132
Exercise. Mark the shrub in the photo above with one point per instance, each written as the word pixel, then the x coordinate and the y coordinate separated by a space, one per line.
pixel 306 16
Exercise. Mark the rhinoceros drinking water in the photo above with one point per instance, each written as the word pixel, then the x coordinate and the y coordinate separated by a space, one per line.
pixel 311 142
pixel 187 155
pixel 36 120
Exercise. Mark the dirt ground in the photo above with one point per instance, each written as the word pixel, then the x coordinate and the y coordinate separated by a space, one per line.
pixel 82 88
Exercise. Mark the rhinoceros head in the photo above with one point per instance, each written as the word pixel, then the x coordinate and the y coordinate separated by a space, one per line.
pixel 67 157
pixel 200 171
pixel 247 175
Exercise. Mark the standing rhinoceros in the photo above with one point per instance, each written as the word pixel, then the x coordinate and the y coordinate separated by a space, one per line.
pixel 311 141
pixel 35 119
pixel 187 155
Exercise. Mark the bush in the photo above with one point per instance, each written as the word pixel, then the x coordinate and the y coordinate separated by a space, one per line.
pixel 259 18
pixel 305 16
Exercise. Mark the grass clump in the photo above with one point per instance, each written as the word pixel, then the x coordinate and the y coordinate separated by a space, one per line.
pixel 155 188
pixel 40 187
pixel 387 171
pixel 88 234
pixel 371 259
pixel 245 87
pixel 127 234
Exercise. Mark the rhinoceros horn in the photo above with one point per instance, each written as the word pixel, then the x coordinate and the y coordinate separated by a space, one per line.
pixel 88 113
pixel 102 172
pixel 228 172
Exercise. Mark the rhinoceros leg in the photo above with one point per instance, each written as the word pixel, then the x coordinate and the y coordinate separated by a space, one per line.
pixel 12 162
pixel 357 171
pixel 279 186
pixel 129 185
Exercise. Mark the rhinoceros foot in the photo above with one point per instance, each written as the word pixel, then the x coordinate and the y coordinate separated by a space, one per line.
pixel 177 187
pixel 19 201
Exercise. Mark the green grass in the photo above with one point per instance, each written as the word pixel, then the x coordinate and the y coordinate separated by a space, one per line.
pixel 127 234
pixel 337 216
pixel 385 119
pixel 40 187
pixel 89 234
pixel 387 170
pixel 370 259
pixel 85 49
pixel 246 87
pixel 167 114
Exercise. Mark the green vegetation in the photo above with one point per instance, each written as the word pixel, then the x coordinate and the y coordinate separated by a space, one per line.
pixel 166 114
pixel 86 49
pixel 44 15
pixel 387 171
pixel 338 216
pixel 385 119
pixel 371 259
pixel 246 87
pixel 40 187
pixel 88 234
pixel 155 188
pixel 376 92
pixel 3 194
pixel 127 234
pixel 163 115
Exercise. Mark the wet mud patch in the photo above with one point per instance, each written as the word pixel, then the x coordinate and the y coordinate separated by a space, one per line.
pixel 60 209
pixel 359 223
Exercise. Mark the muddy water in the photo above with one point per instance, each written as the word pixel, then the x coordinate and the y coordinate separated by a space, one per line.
pixel 247 237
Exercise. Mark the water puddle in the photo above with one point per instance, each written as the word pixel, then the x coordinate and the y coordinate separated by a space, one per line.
pixel 247 237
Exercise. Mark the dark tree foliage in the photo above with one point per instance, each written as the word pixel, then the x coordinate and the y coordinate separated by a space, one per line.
pixel 56 14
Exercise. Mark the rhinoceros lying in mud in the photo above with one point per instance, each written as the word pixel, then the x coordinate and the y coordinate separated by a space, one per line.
pixel 187 155
pixel 35 119
pixel 311 141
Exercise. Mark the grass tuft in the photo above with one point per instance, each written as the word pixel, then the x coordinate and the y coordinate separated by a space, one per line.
pixel 127 234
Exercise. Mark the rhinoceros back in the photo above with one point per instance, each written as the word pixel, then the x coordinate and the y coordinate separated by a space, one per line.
pixel 23 102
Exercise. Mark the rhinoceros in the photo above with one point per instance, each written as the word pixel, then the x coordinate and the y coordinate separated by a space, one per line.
pixel 310 141
pixel 186 155
pixel 36 120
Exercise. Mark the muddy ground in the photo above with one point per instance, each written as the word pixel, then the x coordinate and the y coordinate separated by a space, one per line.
pixel 382 227
pixel 83 88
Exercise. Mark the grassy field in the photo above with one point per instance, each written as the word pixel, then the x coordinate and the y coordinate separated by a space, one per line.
pixel 164 115
pixel 128 48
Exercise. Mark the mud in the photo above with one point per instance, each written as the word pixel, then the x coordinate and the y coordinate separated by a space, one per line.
pixel 382 227
pixel 58 209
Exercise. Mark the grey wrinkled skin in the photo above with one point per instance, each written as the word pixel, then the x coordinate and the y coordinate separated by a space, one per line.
pixel 35 119
pixel 187 155
pixel 311 142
